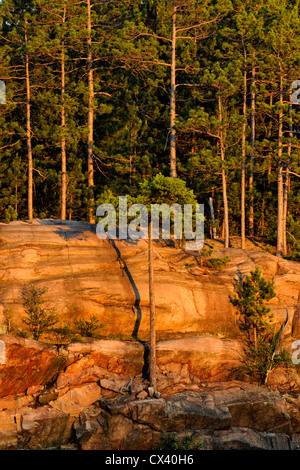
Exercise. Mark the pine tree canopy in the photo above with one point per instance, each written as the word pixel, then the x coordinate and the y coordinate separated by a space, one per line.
pixel 102 98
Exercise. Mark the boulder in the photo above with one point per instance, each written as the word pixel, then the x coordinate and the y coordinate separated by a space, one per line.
pixel 142 395
pixel 8 430
pixel 206 357
pixel 249 439
pixel 28 363
pixel 82 371
pixel 44 427
pixel 116 385
pixel 76 399
pixel 256 408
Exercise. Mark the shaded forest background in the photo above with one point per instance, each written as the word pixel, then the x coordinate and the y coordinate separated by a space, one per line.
pixel 104 95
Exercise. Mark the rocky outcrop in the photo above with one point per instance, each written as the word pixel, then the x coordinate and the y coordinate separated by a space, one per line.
pixel 86 276
pixel 95 395
pixel 241 417
pixel 238 418
pixel 32 365
pixel 28 363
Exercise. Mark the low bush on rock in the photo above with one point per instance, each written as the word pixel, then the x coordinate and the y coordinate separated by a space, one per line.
pixel 260 359
pixel 88 328
pixel 263 348
pixel 217 263
pixel 172 442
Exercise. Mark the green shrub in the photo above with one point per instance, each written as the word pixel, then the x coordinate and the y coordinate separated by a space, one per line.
pixel 249 299
pixel 217 263
pixel 204 254
pixel 39 317
pixel 294 255
pixel 89 328
pixel 22 333
pixel 263 351
pixel 172 442
pixel 259 359
pixel 10 214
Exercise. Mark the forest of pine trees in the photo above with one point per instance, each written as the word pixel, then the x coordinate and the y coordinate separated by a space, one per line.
pixel 102 95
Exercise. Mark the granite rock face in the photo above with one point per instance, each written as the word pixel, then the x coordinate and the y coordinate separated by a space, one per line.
pixel 87 276
pixel 28 363
pixel 32 365
pixel 95 394
pixel 210 417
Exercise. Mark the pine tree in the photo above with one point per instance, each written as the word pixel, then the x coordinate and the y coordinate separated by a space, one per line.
pixel 18 40
pixel 178 25
pixel 282 39
pixel 39 317
pixel 250 295
pixel 160 190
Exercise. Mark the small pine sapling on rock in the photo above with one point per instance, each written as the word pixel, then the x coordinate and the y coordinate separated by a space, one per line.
pixel 263 352
pixel 251 293
pixel 39 317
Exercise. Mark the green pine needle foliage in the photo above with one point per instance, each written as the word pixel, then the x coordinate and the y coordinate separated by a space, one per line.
pixel 259 361
pixel 250 297
pixel 262 352
pixel 39 318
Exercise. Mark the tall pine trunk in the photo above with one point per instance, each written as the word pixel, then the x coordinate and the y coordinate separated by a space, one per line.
pixel 280 228
pixel 63 139
pixel 243 185
pixel 152 311
pixel 287 178
pixel 252 143
pixel 28 129
pixel 224 180
pixel 90 117
pixel 173 172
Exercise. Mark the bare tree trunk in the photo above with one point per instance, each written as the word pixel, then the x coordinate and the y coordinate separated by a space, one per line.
pixel 63 139
pixel 16 196
pixel 224 181
pixel 152 312
pixel 269 135
pixel 285 204
pixel 287 179
pixel 243 185
pixel 173 172
pixel 280 241
pixel 262 220
pixel 252 143
pixel 90 117
pixel 28 131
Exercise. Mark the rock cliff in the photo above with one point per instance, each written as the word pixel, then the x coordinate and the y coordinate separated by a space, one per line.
pixel 87 276
pixel 95 394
